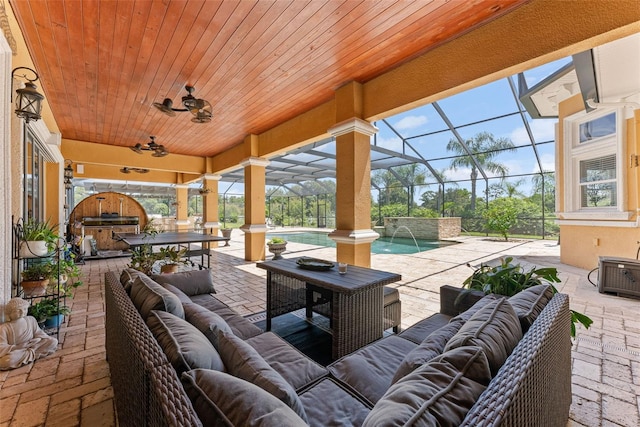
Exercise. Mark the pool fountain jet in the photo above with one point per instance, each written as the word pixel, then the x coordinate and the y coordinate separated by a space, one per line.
pixel 410 233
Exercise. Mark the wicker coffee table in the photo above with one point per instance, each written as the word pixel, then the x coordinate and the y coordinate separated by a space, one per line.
pixel 354 300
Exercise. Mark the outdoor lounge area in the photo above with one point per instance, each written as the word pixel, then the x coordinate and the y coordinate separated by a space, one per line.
pixel 72 387
pixel 328 133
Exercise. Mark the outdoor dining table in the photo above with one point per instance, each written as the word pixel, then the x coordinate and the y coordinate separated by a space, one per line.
pixel 180 238
pixel 355 299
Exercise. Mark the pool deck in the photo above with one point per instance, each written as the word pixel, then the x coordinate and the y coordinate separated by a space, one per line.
pixel 72 386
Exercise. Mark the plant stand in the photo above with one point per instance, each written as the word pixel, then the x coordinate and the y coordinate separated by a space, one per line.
pixel 277 249
pixel 226 233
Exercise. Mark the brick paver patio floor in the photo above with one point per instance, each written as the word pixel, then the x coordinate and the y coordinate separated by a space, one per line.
pixel 72 386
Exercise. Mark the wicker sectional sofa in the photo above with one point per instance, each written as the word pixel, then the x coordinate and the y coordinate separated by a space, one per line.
pixel 404 379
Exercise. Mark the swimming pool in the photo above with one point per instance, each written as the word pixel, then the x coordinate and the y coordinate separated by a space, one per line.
pixel 383 245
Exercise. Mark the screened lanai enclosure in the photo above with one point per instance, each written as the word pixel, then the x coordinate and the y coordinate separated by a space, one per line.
pixel 486 155
pixel 478 155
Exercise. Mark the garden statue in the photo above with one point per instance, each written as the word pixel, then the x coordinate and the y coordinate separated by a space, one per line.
pixel 21 340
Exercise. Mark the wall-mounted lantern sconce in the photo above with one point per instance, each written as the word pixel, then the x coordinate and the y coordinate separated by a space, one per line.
pixel 29 101
pixel 68 174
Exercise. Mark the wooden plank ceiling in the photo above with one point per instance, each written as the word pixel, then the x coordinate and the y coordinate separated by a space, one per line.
pixel 103 63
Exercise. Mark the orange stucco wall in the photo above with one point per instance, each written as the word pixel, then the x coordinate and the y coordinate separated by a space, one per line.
pixel 581 246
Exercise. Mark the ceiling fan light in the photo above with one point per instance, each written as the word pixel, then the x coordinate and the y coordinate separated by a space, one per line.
pixel 137 148
pixel 202 117
pixel 160 151
pixel 166 107
pixel 125 170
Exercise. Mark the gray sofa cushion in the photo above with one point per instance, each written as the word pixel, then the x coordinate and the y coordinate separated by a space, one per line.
pixel 466 315
pixel 431 347
pixel 327 403
pixel 185 347
pixel 296 368
pixel 147 295
pixel 239 325
pixel 128 276
pixel 223 400
pixel 528 304
pixel 243 361
pixel 207 322
pixel 369 370
pixel 418 332
pixel 184 299
pixel 495 328
pixel 439 393
pixel 193 282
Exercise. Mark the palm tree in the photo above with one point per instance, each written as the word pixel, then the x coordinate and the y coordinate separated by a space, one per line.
pixel 484 147
pixel 412 175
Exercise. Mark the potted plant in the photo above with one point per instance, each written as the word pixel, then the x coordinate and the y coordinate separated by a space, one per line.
pixel 35 279
pixel 171 258
pixel 65 274
pixel 38 238
pixel 143 258
pixel 39 312
pixel 277 245
pixel 49 312
pixel 508 279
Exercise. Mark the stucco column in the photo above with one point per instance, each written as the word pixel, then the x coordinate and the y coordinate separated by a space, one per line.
pixel 182 200
pixel 353 234
pixel 254 226
pixel 210 204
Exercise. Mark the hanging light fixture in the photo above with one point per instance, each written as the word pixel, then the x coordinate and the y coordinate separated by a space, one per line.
pixel 158 150
pixel 68 174
pixel 29 100
pixel 199 108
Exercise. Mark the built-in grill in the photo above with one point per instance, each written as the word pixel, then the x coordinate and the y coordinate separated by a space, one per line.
pixel 108 219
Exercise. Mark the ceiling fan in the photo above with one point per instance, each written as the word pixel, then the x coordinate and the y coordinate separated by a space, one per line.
pixel 127 169
pixel 158 150
pixel 199 108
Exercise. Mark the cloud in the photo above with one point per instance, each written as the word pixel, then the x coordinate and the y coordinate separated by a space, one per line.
pixel 543 130
pixel 394 143
pixel 410 122
pixel 548 163
pixel 458 174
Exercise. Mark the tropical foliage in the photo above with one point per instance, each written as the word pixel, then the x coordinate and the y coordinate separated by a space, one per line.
pixel 501 216
pixel 508 279
pixel 484 147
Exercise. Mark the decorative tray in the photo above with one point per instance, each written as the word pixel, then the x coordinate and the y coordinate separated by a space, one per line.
pixel 309 263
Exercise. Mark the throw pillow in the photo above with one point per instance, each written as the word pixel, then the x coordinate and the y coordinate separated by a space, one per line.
pixel 207 322
pixel 431 347
pixel 495 328
pixel 193 282
pixel 184 299
pixel 147 295
pixel 128 276
pixel 220 399
pixel 466 315
pixel 529 303
pixel 438 393
pixel 243 361
pixel 185 347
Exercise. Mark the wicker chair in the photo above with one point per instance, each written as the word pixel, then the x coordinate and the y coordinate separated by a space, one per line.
pixel 392 309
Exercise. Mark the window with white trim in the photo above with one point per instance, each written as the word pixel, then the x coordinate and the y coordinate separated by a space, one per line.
pixel 594 170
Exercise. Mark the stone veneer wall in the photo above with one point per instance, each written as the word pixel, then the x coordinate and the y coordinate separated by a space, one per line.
pixel 423 228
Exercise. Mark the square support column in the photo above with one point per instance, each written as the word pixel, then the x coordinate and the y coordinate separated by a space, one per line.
pixel 182 202
pixel 254 227
pixel 353 234
pixel 210 205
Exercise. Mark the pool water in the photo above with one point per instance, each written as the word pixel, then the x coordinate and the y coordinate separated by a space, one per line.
pixel 383 245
